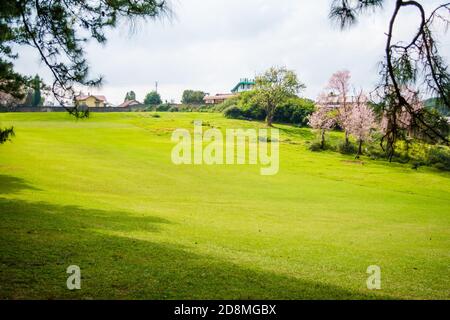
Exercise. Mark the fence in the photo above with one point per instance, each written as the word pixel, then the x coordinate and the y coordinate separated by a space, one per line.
pixel 60 109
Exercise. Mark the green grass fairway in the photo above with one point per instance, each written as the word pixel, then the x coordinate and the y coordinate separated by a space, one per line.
pixel 103 194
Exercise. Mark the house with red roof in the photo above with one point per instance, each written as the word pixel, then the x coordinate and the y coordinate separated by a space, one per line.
pixel 129 103
pixel 218 98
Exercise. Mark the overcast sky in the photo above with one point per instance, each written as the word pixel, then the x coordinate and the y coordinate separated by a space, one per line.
pixel 210 45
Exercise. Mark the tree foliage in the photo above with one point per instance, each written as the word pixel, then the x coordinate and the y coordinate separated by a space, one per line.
pixel 58 30
pixel 36 85
pixel 6 134
pixel 322 120
pixel 192 97
pixel 131 95
pixel 339 85
pixel 152 98
pixel 274 87
pixel 293 110
pixel 360 120
pixel 415 64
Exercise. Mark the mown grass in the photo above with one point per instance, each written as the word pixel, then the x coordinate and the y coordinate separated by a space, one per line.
pixel 103 194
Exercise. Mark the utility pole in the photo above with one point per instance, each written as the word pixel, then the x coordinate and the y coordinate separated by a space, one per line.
pixel 156 86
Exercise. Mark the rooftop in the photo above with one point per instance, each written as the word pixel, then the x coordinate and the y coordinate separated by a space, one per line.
pixel 129 103
pixel 82 97
pixel 219 96
pixel 243 81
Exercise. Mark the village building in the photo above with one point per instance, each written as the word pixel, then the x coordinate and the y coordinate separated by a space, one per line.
pixel 335 101
pixel 91 101
pixel 130 103
pixel 242 86
pixel 218 98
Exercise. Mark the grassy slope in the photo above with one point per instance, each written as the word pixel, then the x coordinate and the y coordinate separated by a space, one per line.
pixel 104 195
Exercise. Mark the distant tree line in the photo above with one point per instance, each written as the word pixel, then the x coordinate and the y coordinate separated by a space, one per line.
pixel 58 31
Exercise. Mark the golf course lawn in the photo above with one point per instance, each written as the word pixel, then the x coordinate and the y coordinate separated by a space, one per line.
pixel 103 194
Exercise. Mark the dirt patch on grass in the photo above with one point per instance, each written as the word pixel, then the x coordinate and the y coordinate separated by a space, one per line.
pixel 357 162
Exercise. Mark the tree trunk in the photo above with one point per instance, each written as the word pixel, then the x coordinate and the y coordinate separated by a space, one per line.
pixel 407 142
pixel 270 111
pixel 359 149
pixel 322 142
pixel 269 120
pixel 347 142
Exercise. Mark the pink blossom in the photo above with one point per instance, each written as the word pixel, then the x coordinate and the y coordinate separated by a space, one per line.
pixel 403 117
pixel 361 120
pixel 339 84
pixel 322 119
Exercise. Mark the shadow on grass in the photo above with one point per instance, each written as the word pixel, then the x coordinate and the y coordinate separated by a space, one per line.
pixel 38 241
pixel 10 184
pixel 297 132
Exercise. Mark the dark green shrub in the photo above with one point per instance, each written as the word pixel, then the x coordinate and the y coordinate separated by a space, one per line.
pixel 6 134
pixel 315 146
pixel 300 117
pixel 347 148
pixel 163 107
pixel 400 158
pixel 250 109
pixel 294 110
pixel 441 166
pixel 375 152
pixel 233 112
pixel 226 104
pixel 185 108
pixel 206 108
pixel 253 112
pixel 173 109
pixel 417 164
pixel 439 157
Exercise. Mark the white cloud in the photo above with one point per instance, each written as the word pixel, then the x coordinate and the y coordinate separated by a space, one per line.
pixel 209 45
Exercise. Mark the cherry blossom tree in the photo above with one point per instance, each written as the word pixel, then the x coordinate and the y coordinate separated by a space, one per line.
pixel 323 118
pixel 360 121
pixel 339 84
pixel 416 62
pixel 402 121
